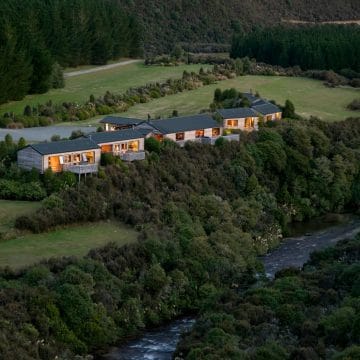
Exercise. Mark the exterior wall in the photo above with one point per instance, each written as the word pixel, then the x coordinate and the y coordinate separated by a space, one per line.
pixel 97 156
pixel 28 159
pixel 272 117
pixel 241 124
pixel 112 127
pixel 191 135
pixel 109 147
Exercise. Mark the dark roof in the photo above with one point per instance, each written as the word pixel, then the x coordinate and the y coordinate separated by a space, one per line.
pixel 266 109
pixel 113 136
pixel 145 129
pixel 115 120
pixel 259 102
pixel 237 113
pixel 252 98
pixel 58 147
pixel 184 123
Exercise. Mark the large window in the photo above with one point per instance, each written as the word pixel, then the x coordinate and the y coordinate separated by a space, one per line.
pixel 180 136
pixel 199 133
pixel 215 132
pixel 133 145
pixel 233 123
pixel 249 123
pixel 90 157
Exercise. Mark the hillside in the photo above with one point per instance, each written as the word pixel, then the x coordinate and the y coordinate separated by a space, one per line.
pixel 208 21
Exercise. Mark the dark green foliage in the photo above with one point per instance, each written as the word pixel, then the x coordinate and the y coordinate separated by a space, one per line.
pixel 36 36
pixel 204 214
pixel 152 145
pixel 57 80
pixel 289 110
pixel 310 314
pixel 354 105
pixel 321 47
pixel 207 27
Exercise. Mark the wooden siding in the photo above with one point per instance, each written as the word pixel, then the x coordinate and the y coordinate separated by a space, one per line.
pixel 28 159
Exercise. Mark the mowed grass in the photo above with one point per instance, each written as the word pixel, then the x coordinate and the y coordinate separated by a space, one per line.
pixel 72 241
pixel 10 210
pixel 117 80
pixel 310 97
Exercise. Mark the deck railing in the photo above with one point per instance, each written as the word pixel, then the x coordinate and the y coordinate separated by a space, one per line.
pixel 81 168
pixel 133 156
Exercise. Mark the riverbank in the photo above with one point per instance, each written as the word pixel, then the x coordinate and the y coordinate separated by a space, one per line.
pixel 292 252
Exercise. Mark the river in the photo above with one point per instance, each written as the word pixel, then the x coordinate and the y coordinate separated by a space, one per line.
pixel 160 344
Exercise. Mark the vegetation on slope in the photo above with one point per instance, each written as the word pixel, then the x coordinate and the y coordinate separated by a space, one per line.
pixel 312 314
pixel 310 97
pixel 168 22
pixel 204 213
pixel 318 47
pixel 37 34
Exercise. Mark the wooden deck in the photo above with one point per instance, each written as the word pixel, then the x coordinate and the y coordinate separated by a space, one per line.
pixel 82 168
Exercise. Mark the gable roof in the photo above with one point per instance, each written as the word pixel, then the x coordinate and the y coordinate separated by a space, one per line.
pixel 113 136
pixel 59 147
pixel 266 109
pixel 237 113
pixel 116 120
pixel 184 123
pixel 252 98
pixel 259 102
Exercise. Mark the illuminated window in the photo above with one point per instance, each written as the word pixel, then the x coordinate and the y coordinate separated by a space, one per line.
pixel 77 158
pixel 180 136
pixel 249 123
pixel 215 132
pixel 124 147
pixel 133 146
pixel 233 123
pixel 199 133
pixel 90 156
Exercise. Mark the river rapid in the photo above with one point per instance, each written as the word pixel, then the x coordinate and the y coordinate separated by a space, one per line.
pixel 294 251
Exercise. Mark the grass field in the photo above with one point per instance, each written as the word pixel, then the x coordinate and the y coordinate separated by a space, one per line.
pixel 10 210
pixel 118 80
pixel 310 97
pixel 72 241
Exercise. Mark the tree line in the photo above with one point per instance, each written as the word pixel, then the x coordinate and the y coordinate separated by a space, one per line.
pixel 37 36
pixel 321 47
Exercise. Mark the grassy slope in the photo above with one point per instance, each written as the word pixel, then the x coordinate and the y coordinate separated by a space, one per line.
pixel 310 97
pixel 10 210
pixel 72 241
pixel 116 80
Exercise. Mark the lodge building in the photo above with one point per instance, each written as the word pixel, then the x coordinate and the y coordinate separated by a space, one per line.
pixel 125 137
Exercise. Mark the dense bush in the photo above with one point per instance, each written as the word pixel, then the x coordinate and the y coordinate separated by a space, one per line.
pixel 204 213
pixel 13 190
pixel 311 314
pixel 354 105
pixel 322 47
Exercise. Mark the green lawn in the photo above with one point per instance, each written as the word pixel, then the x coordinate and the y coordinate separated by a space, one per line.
pixel 72 241
pixel 310 97
pixel 10 210
pixel 119 79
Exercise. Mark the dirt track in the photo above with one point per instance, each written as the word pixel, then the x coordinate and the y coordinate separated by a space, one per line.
pixel 99 68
